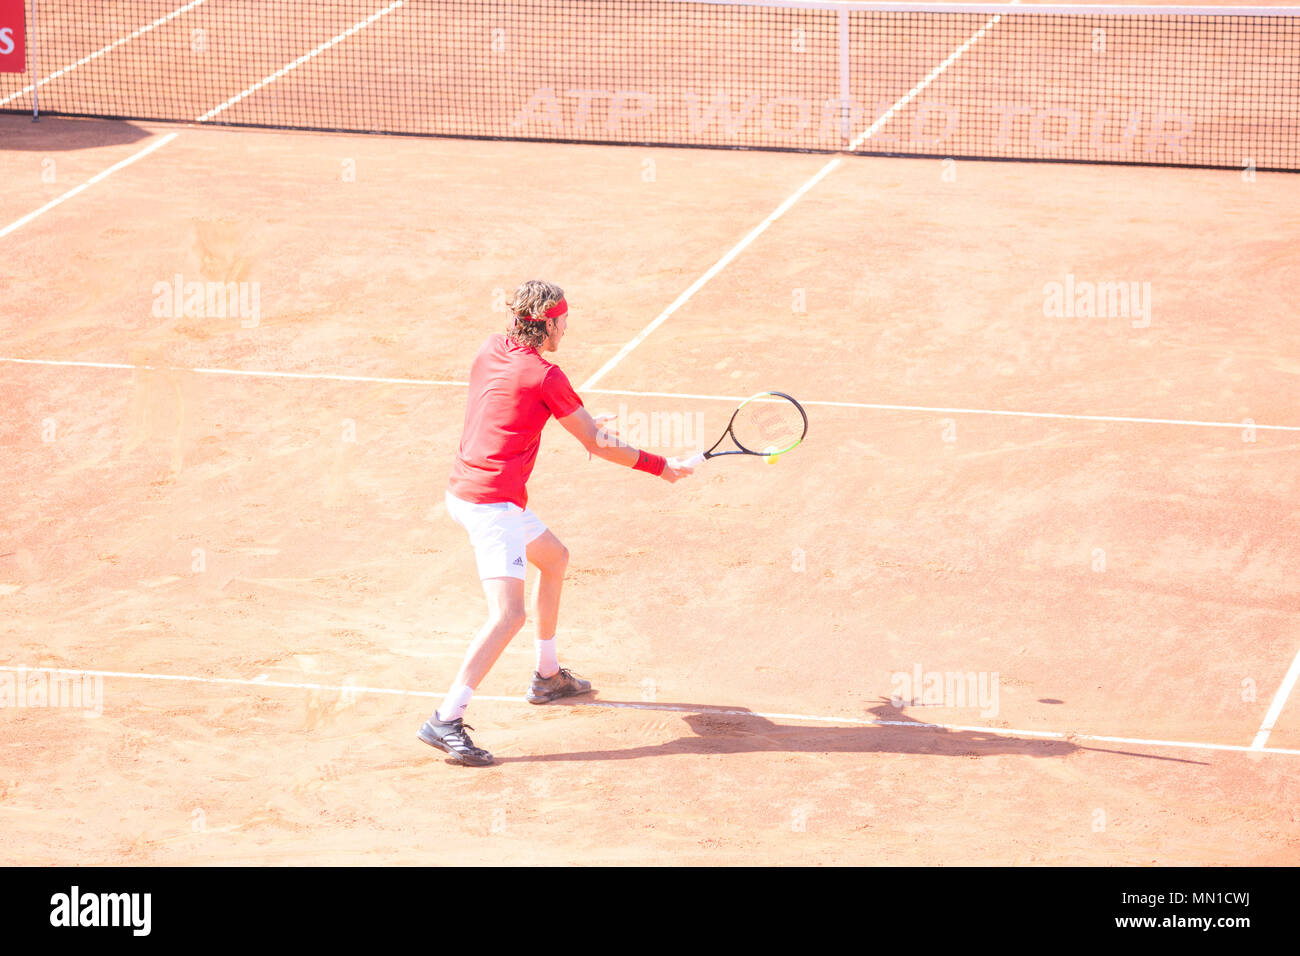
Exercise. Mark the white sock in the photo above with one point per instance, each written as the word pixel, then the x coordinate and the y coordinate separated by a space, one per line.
pixel 454 704
pixel 548 664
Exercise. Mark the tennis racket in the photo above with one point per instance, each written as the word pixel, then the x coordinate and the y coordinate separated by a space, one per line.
pixel 768 425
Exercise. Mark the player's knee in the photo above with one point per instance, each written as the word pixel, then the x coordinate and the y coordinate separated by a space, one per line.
pixel 511 617
pixel 551 559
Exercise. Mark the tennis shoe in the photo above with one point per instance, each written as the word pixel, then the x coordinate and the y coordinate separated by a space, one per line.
pixel 449 736
pixel 543 690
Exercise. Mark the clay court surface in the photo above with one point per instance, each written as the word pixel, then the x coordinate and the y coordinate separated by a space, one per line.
pixel 237 528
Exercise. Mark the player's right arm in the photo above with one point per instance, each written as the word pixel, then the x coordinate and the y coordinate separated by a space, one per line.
pixel 602 443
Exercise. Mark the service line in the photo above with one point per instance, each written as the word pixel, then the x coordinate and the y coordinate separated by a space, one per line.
pixel 678 396
pixel 354 689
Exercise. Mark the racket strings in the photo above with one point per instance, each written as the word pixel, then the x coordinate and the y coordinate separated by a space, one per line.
pixel 768 426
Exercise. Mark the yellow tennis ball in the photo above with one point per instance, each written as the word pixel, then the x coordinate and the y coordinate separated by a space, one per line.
pixel 770 457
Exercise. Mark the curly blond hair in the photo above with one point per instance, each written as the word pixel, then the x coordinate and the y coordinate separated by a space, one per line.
pixel 528 307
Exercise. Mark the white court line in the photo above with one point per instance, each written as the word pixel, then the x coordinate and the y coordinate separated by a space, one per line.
pixel 326 377
pixel 284 70
pixel 156 144
pixel 688 396
pixel 781 210
pixel 933 75
pixel 250 373
pixel 261 681
pixel 103 50
pixel 1279 701
pixel 962 411
pixel 713 271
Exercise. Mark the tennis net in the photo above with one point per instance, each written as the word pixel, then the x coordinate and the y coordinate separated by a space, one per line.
pixel 1185 86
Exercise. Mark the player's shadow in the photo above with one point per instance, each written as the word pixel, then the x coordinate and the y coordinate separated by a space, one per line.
pixel 716 730
pixel 54 134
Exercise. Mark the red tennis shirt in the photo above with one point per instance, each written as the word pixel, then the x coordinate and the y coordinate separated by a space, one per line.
pixel 513 392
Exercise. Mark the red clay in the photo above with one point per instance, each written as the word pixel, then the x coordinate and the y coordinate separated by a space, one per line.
pixel 806 588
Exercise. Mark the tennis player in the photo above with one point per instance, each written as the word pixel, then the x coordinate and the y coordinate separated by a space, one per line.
pixel 513 392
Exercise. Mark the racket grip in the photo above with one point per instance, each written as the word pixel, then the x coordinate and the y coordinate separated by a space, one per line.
pixel 695 460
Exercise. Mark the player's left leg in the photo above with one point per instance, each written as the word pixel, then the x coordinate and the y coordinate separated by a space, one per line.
pixel 551 681
pixel 551 558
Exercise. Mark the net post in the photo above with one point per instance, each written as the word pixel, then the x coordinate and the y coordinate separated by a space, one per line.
pixel 31 59
pixel 845 106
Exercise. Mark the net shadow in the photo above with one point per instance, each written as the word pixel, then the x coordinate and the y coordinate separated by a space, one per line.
pixel 59 134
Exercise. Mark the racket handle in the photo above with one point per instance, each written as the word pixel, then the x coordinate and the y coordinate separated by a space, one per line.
pixel 694 461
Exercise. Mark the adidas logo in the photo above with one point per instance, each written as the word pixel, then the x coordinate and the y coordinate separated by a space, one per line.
pixel 518 561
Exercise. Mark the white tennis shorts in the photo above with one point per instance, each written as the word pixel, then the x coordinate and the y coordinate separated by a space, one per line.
pixel 500 533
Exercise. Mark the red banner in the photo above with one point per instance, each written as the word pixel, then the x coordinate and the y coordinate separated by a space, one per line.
pixel 13 54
